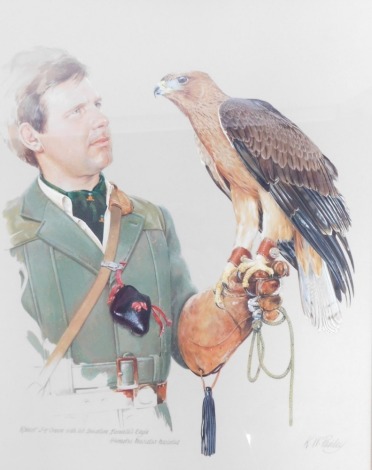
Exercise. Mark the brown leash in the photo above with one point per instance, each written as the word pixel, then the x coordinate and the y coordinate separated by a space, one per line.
pixel 119 205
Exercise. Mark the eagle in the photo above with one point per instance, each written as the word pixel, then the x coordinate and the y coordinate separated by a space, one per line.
pixel 281 186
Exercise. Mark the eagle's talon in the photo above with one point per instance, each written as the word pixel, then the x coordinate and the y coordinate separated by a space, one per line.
pixel 223 284
pixel 218 295
pixel 248 267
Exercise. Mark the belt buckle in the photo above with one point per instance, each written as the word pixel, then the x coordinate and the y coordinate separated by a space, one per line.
pixel 119 374
pixel 142 396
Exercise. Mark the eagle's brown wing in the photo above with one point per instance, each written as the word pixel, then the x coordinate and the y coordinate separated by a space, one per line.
pixel 299 177
pixel 283 152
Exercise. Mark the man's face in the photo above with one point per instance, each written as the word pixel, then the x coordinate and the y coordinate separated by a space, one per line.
pixel 76 139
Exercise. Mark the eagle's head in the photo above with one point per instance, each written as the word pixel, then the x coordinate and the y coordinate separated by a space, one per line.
pixel 187 89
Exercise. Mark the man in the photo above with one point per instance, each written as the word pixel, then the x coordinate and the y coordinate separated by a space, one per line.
pixel 60 230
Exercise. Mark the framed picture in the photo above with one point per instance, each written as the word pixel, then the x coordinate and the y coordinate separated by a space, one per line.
pixel 310 62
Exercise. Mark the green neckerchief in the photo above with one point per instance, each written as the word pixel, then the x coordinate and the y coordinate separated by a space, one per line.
pixel 89 206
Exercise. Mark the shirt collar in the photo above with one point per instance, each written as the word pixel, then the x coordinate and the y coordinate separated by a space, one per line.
pixel 64 202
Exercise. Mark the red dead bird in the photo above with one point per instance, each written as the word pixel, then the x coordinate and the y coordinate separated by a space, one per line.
pixel 280 184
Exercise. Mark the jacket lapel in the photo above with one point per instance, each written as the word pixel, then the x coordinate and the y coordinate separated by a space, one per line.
pixel 61 232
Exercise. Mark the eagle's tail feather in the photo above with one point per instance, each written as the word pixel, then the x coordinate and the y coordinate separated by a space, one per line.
pixel 318 298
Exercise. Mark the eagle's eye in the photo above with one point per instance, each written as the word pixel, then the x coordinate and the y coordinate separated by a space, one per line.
pixel 182 80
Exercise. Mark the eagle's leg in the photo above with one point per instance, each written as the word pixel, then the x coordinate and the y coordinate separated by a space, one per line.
pixel 247 214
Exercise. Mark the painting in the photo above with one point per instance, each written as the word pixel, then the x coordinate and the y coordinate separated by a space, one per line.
pixel 290 396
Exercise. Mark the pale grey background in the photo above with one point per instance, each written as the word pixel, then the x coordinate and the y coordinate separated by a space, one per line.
pixel 311 60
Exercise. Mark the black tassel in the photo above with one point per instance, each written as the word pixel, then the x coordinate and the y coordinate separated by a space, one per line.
pixel 208 429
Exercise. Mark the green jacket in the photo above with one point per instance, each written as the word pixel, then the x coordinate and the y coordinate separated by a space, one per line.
pixel 62 262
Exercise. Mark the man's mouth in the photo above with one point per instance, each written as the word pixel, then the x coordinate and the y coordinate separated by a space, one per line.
pixel 101 141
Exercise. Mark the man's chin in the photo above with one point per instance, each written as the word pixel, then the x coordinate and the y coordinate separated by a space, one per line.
pixel 104 160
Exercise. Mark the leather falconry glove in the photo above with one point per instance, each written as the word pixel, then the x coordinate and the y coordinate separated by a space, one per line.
pixel 209 335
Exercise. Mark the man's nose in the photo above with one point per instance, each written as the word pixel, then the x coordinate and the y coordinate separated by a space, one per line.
pixel 99 119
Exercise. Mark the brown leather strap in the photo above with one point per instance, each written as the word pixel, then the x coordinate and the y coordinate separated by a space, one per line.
pixel 236 255
pixel 268 249
pixel 119 205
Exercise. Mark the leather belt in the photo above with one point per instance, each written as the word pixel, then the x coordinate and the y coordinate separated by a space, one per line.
pixel 139 379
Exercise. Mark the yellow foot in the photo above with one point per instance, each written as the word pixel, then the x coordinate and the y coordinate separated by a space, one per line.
pixel 249 266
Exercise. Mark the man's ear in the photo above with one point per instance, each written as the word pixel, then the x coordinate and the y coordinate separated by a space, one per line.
pixel 30 137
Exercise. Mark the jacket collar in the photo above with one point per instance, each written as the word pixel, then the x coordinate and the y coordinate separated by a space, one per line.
pixel 61 232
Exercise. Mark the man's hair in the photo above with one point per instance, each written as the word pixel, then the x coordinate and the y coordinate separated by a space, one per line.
pixel 26 79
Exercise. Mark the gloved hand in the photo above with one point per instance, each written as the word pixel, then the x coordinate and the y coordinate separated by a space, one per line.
pixel 208 335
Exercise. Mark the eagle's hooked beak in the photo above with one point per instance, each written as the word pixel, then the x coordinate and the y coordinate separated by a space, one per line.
pixel 160 89
pixel 166 86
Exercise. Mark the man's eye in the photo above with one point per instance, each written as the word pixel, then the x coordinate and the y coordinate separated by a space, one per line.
pixel 182 80
pixel 99 104
pixel 77 110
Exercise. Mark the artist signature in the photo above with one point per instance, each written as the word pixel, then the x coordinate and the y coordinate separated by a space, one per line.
pixel 328 444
